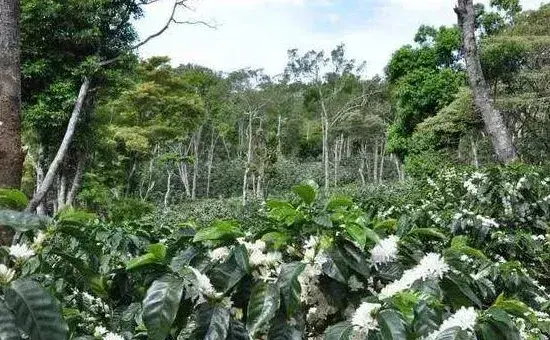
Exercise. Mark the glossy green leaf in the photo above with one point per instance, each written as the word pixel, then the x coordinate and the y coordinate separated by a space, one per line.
pixel 22 221
pixel 454 333
pixel 262 306
pixel 13 199
pixel 161 305
pixel 36 312
pixel 8 328
pixel 339 331
pixel 282 330
pixel 290 287
pixel 226 275
pixel 391 325
pixel 307 192
pixel 219 230
pixel 212 323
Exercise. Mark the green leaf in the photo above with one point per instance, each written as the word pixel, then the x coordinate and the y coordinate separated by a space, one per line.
pixel 454 333
pixel 290 287
pixel 161 304
pixel 156 254
pixel 158 250
pixel 237 331
pixel 307 192
pixel 219 230
pixel 282 211
pixel 276 239
pixel 282 330
pixel 512 306
pixel 339 331
pixel 75 216
pixel 262 306
pixel 226 275
pixel 13 199
pixel 36 311
pixel 458 292
pixel 338 202
pixel 391 325
pixel 503 323
pixel 361 234
pixel 22 221
pixel 212 323
pixel 429 233
pixel 8 328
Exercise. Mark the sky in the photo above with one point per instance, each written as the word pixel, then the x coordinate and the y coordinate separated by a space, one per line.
pixel 258 33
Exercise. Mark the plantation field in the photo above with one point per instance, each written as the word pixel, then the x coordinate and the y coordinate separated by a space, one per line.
pixel 462 255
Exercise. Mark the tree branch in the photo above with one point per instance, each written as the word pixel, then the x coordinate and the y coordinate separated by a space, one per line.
pixel 171 19
pixel 62 151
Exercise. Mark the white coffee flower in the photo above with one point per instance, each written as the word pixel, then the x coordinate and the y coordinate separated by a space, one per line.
pixel 431 266
pixel 354 284
pixel 363 319
pixel 464 318
pixel 6 274
pixel 204 284
pixel 99 331
pixel 219 254
pixel 21 251
pixel 385 250
pixel 39 238
pixel 113 336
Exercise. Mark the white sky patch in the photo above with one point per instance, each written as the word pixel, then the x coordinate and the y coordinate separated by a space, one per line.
pixel 258 33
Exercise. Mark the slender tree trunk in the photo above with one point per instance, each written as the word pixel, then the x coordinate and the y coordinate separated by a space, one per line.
pixel 375 162
pixel 168 188
pixel 325 126
pixel 248 158
pixel 494 122
pixel 210 161
pixel 39 170
pixel 11 154
pixel 63 148
pixel 474 152
pixel 382 161
pixel 77 180
pixel 61 190
pixel 196 149
pixel 279 123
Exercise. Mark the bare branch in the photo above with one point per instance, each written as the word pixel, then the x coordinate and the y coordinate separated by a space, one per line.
pixel 171 19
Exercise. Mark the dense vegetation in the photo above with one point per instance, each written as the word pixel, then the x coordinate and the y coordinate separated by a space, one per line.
pixel 191 203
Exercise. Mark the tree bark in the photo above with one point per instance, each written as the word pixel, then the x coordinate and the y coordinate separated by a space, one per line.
pixel 61 190
pixel 63 148
pixel 196 146
pixel 11 154
pixel 210 164
pixel 494 122
pixel 168 188
pixel 248 158
pixel 77 180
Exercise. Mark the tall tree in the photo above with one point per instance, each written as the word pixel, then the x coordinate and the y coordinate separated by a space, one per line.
pixel 492 118
pixel 11 155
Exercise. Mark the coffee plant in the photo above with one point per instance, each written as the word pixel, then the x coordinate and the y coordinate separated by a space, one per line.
pixel 466 259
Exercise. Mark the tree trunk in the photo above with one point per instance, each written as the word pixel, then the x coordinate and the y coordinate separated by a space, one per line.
pixel 375 162
pixel 61 190
pixel 474 152
pixel 382 161
pixel 168 189
pixel 196 148
pixel 210 161
pixel 62 151
pixel 494 122
pixel 39 171
pixel 11 155
pixel 248 158
pixel 77 180
pixel 279 147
